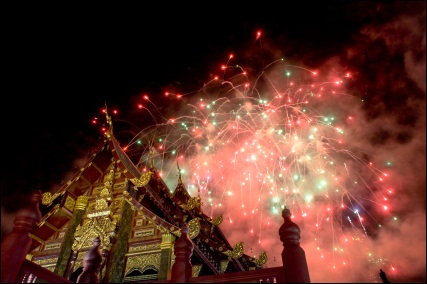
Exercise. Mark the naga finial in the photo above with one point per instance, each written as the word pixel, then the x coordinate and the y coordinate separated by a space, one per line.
pixel 152 158
pixel 179 173
pixel 108 118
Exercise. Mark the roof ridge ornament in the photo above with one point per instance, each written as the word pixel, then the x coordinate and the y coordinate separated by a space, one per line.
pixel 109 121
pixel 152 158
pixel 261 260
pixel 236 252
pixel 179 174
pixel 199 198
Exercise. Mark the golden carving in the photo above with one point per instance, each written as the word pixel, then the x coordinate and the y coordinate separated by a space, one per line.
pixel 97 190
pixel 143 179
pixel 145 247
pixel 261 260
pixel 69 203
pixel 173 256
pixel 109 177
pixel 85 234
pixel 224 264
pixel 98 208
pixel 236 252
pixel 141 261
pixel 101 204
pixel 144 232
pixel 177 233
pixel 119 185
pixel 191 203
pixel 152 158
pixel 167 239
pixel 81 202
pixel 194 226
pixel 217 220
pixel 48 198
pixel 52 246
pixel 196 270
pixel 46 261
pixel 105 193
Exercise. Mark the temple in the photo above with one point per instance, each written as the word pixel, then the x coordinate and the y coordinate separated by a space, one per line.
pixel 135 219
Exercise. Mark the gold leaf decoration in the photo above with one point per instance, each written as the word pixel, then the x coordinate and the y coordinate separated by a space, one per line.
pixel 217 220
pixel 192 202
pixel 101 204
pixel 194 226
pixel 177 233
pixel 143 179
pixel 84 235
pixel 196 270
pixel 236 252
pixel 224 264
pixel 69 203
pixel 261 260
pixel 47 198
pixel 142 261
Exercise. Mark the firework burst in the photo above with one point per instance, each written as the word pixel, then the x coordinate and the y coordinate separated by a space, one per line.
pixel 250 145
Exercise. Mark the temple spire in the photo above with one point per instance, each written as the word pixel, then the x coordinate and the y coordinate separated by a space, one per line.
pixel 108 118
pixel 200 203
pixel 152 158
pixel 179 174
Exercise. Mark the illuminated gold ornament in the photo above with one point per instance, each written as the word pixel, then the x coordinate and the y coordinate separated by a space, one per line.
pixel 194 226
pixel 261 260
pixel 236 252
pixel 217 220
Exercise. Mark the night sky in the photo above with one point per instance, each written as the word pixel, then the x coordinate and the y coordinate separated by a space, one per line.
pixel 63 64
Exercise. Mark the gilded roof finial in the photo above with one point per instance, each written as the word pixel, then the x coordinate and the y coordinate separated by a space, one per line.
pixel 179 173
pixel 152 158
pixel 108 118
pixel 200 203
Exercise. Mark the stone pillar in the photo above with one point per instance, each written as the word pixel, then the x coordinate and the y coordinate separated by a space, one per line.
pixel 17 243
pixel 182 269
pixel 91 264
pixel 65 255
pixel 165 256
pixel 293 256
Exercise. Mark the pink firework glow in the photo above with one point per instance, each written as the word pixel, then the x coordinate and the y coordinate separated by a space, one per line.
pixel 250 145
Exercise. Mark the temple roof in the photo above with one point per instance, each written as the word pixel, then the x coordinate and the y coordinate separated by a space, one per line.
pixel 147 193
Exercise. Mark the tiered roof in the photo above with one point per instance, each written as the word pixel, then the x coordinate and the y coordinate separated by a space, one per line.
pixel 147 193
